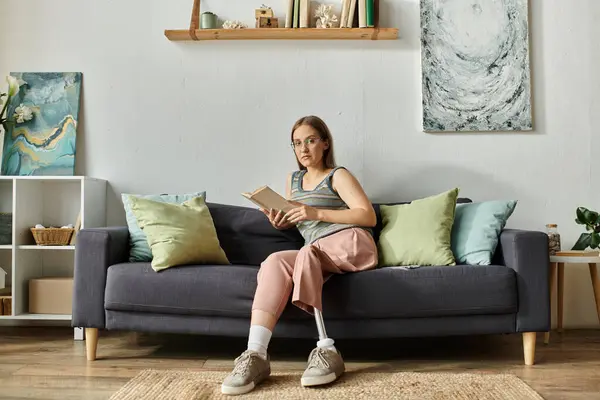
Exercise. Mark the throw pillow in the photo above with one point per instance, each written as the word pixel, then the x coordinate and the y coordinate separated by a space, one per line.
pixel 139 251
pixel 418 233
pixel 476 229
pixel 178 234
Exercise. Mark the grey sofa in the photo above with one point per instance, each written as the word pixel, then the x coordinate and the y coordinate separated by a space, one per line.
pixel 511 296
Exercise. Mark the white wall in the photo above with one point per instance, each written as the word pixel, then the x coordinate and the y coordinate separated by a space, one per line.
pixel 161 116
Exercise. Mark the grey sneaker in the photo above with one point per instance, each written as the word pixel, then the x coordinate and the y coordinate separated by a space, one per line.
pixel 324 366
pixel 250 369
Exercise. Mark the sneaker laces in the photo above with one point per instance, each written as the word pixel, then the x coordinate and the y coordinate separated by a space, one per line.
pixel 243 363
pixel 317 359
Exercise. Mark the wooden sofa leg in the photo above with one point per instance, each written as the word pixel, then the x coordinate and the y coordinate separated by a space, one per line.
pixel 91 343
pixel 529 347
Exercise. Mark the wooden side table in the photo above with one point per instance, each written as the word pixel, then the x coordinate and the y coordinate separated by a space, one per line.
pixel 557 273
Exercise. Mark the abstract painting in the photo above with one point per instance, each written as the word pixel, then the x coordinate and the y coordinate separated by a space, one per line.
pixel 44 145
pixel 475 65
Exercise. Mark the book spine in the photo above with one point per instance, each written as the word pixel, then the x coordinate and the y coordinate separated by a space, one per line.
pixel 351 14
pixel 362 13
pixel 296 13
pixel 344 13
pixel 303 13
pixel 289 16
pixel 370 13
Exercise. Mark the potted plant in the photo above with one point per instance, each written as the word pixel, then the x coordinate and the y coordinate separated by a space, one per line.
pixel 591 238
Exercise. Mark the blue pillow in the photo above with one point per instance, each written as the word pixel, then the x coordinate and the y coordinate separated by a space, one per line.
pixel 476 229
pixel 139 251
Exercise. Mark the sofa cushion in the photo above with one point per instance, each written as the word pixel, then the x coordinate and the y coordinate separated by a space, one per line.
pixel 139 248
pixel 393 292
pixel 178 234
pixel 247 236
pixel 418 233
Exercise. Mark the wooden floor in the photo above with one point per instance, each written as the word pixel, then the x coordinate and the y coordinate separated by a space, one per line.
pixel 45 363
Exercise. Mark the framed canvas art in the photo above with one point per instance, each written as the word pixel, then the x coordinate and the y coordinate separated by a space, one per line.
pixel 44 145
pixel 475 65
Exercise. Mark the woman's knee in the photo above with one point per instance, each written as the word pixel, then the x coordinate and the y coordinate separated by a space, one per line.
pixel 276 263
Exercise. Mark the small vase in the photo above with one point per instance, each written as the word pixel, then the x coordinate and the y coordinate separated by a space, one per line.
pixel 208 20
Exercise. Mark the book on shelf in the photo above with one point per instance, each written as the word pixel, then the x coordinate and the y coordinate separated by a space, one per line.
pixel 266 198
pixel 578 253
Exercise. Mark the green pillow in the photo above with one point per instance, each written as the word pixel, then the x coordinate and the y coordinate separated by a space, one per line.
pixel 476 229
pixel 418 233
pixel 139 251
pixel 178 234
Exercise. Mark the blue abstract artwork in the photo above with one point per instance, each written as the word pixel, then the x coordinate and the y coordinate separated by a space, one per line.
pixel 475 65
pixel 44 145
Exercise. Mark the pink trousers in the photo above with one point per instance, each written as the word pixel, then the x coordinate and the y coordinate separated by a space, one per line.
pixel 305 270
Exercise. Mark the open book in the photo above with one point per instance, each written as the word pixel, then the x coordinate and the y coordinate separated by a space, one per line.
pixel 267 198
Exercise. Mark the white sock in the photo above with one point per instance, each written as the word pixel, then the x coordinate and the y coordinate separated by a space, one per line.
pixel 327 344
pixel 258 339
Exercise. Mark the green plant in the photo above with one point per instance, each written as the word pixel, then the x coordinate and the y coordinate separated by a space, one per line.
pixel 591 220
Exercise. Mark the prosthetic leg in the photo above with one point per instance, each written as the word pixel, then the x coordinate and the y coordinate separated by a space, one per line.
pixel 324 341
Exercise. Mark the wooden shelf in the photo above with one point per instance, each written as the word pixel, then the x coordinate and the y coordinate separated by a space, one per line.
pixel 36 247
pixel 284 34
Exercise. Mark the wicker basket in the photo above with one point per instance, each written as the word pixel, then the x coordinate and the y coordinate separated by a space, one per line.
pixel 52 236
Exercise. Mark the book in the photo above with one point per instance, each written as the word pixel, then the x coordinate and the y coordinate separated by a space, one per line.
pixel 266 198
pixel 578 253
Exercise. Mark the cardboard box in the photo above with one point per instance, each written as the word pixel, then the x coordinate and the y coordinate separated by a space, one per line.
pixel 51 296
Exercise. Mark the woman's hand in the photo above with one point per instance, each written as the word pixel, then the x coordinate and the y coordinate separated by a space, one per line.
pixel 277 219
pixel 302 212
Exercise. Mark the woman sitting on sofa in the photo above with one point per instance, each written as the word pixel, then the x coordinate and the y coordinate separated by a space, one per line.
pixel 334 215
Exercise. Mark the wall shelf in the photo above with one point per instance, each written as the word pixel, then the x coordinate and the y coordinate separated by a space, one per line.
pixel 194 33
pixel 284 34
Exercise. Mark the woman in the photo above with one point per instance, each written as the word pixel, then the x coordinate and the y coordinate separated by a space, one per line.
pixel 333 214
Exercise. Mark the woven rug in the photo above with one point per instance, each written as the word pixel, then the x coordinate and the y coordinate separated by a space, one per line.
pixel 188 385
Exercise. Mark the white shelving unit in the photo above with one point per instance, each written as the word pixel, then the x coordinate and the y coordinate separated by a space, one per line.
pixel 50 201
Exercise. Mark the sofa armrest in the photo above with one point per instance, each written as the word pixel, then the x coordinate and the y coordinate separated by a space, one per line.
pixel 527 253
pixel 96 250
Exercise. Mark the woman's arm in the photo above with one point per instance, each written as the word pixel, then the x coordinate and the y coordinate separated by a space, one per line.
pixel 360 213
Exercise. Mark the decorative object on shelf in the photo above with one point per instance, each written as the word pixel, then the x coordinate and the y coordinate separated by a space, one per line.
pixel 591 238
pixel 5 228
pixel 325 16
pixel 485 85
pixel 234 25
pixel 44 145
pixel 208 20
pixel 263 11
pixel 52 236
pixel 267 22
pixel 264 17
pixel 553 238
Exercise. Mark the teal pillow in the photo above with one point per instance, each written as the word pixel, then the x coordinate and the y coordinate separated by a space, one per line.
pixel 476 229
pixel 139 250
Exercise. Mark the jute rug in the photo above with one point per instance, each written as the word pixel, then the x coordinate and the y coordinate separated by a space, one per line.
pixel 188 385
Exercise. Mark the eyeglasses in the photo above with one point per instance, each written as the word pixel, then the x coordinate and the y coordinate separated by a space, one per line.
pixel 309 142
